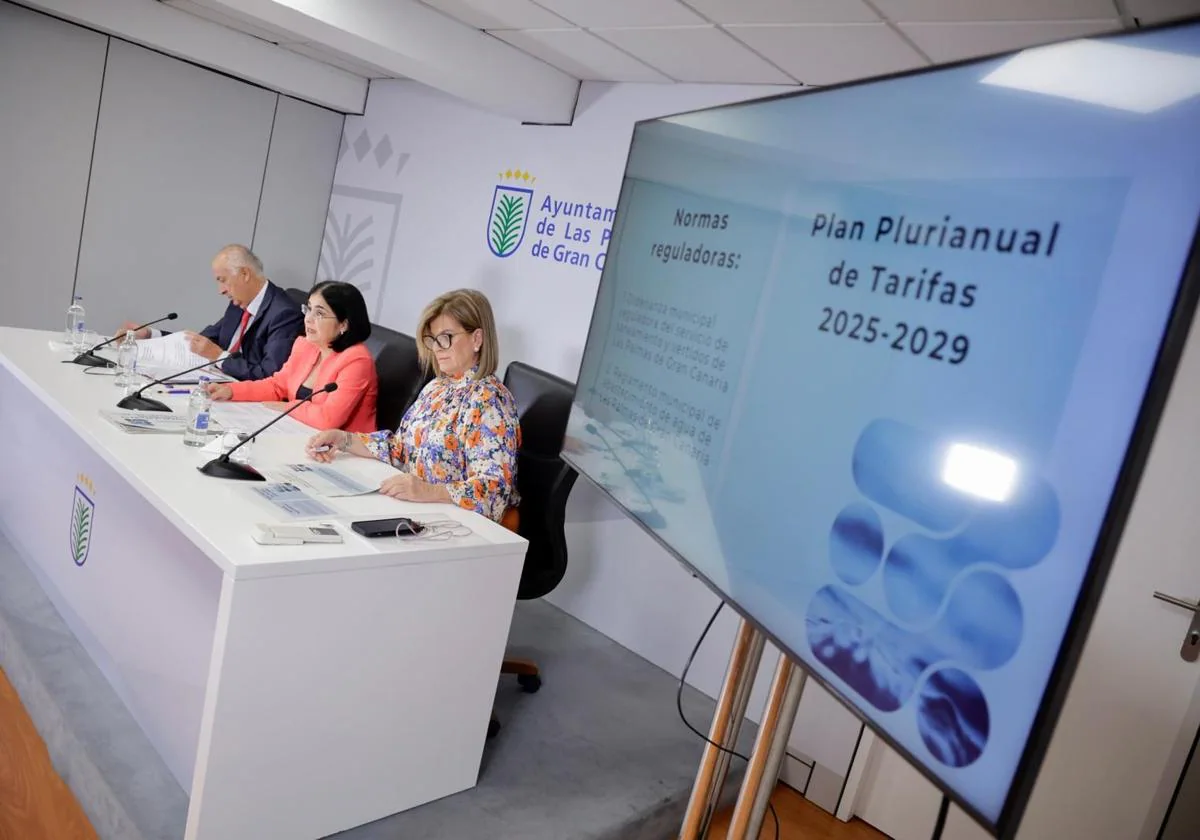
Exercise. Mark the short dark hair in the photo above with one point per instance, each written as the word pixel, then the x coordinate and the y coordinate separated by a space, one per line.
pixel 348 305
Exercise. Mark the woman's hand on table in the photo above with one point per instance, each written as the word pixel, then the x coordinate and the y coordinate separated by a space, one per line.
pixel 219 392
pixel 409 488
pixel 405 487
pixel 324 446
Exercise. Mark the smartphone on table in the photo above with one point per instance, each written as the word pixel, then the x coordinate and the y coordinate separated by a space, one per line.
pixel 397 526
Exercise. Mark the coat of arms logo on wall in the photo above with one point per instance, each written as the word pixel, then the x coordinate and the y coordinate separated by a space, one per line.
pixel 509 218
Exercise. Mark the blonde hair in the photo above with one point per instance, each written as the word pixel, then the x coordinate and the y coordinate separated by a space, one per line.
pixel 470 308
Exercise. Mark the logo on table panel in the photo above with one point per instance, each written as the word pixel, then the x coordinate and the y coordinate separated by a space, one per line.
pixel 83 514
pixel 511 203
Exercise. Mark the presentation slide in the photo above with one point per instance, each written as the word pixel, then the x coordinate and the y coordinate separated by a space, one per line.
pixel 870 360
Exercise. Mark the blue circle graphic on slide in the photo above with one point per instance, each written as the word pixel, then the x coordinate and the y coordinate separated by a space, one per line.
pixel 952 717
pixel 856 543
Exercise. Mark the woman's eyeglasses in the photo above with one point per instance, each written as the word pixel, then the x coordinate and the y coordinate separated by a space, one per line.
pixel 443 340
pixel 309 312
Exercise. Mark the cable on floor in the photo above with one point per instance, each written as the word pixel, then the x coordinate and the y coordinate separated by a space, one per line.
pixel 697 732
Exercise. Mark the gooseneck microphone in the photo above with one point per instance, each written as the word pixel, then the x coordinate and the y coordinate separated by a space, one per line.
pixel 222 467
pixel 136 402
pixel 88 358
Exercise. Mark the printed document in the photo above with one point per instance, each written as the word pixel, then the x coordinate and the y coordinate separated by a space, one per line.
pixel 166 354
pixel 248 416
pixel 168 351
pixel 292 501
pixel 146 421
pixel 345 477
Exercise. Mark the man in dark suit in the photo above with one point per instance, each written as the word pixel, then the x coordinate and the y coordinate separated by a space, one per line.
pixel 261 320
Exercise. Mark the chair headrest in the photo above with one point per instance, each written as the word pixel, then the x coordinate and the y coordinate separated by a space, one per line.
pixel 381 335
pixel 543 404
pixel 400 374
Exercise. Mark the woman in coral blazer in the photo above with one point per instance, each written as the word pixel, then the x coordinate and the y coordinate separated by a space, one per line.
pixel 331 350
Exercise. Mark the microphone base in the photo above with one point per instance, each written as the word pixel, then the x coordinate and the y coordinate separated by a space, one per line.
pixel 136 402
pixel 226 468
pixel 90 359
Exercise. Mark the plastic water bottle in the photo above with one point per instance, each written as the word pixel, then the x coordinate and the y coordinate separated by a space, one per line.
pixel 76 328
pixel 199 408
pixel 126 361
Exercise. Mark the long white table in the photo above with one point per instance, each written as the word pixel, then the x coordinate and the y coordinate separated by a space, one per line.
pixel 293 691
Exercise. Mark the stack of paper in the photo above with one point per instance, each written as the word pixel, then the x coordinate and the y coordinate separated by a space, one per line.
pixel 247 417
pixel 291 501
pixel 168 351
pixel 158 357
pixel 146 421
pixel 348 476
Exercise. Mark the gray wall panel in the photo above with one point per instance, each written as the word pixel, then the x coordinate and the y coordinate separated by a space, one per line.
pixel 50 75
pixel 178 168
pixel 295 196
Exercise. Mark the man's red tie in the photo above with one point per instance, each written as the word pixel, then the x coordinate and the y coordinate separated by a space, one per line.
pixel 237 342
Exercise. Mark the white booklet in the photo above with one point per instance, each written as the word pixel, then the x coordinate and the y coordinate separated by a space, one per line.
pixel 249 416
pixel 291 501
pixel 348 476
pixel 147 421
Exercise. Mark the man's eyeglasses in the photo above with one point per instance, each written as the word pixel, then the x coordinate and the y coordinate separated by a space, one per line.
pixel 443 340
pixel 308 311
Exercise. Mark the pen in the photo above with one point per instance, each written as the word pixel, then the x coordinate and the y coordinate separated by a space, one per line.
pixel 179 390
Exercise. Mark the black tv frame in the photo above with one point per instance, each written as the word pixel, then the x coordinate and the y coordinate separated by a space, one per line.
pixel 1158 388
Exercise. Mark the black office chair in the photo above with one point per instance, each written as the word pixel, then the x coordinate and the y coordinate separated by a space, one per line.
pixel 544 482
pixel 400 375
pixel 298 295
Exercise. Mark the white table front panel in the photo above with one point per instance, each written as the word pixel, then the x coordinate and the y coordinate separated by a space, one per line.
pixel 141 598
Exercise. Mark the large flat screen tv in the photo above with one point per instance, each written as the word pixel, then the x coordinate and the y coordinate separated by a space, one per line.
pixel 881 363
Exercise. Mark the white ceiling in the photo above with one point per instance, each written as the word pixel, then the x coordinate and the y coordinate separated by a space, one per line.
pixel 525 57
pixel 812 42
pixel 229 15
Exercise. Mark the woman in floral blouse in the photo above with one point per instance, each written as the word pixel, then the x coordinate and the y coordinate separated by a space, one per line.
pixel 458 442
